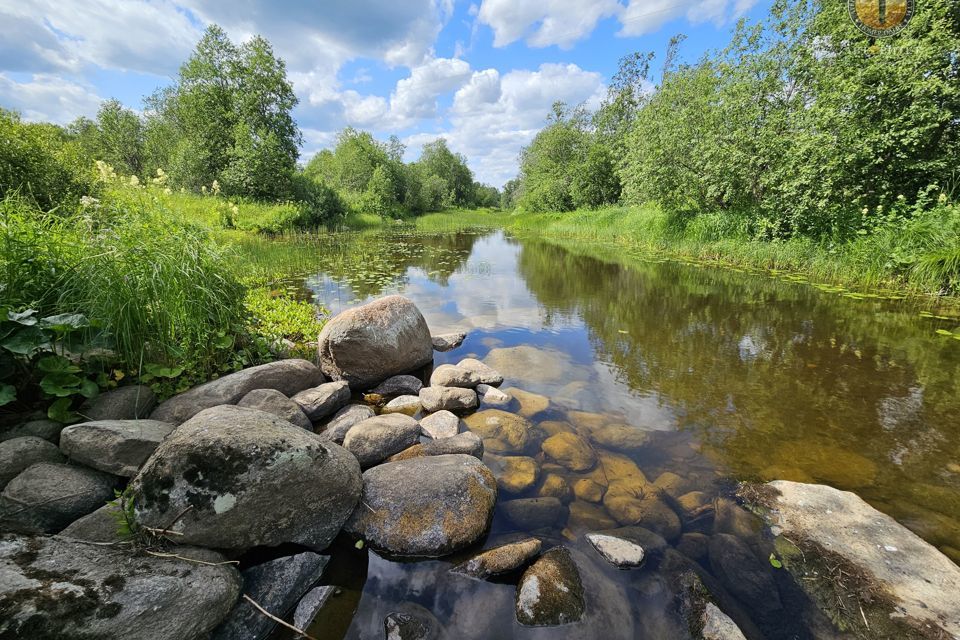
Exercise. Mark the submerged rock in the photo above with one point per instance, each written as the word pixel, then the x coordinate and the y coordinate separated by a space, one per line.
pixel 47 496
pixel 550 591
pixel 617 551
pixel 54 587
pixel 630 501
pixel 411 622
pixel 125 403
pixel 493 424
pixel 555 486
pixel 343 420
pixel 524 362
pixel 488 375
pixel 319 402
pixel 500 560
pixel 453 399
pixel 311 604
pixel 119 447
pixel 620 437
pixel 448 375
pixel 589 490
pixel 743 574
pixel 272 401
pixel 922 582
pixel 375 341
pixel 448 341
pixel 530 403
pixel 515 474
pixel 19 453
pixel 276 586
pixel 286 376
pixel 441 424
pixel 428 506
pixel 376 439
pixel 535 513
pixel 234 478
pixel 467 443
pixel 404 385
pixel 570 451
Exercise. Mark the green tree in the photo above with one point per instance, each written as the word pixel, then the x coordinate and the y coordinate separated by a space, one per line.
pixel 379 197
pixel 120 139
pixel 437 159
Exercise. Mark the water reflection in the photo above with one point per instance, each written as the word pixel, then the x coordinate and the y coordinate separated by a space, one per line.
pixel 739 376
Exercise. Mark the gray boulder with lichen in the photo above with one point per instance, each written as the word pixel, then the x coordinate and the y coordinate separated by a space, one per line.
pixel 235 478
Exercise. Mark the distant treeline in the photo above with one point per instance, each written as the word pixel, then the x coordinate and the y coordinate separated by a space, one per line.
pixel 226 125
pixel 802 125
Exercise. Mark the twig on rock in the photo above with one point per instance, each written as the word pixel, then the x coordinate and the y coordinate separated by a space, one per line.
pixel 179 557
pixel 276 619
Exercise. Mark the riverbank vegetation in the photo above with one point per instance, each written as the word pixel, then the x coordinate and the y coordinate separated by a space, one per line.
pixel 803 144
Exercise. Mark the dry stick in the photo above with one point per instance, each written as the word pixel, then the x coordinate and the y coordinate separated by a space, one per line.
pixel 863 616
pixel 164 531
pixel 173 555
pixel 276 619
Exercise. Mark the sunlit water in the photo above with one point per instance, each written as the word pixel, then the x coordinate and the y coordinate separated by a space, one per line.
pixel 737 376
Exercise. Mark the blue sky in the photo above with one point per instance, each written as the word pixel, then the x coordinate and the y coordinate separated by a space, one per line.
pixel 482 74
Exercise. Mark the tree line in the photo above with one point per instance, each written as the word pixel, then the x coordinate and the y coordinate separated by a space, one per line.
pixel 226 125
pixel 802 125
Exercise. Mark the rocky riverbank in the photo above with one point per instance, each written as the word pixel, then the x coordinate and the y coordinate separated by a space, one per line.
pixel 291 456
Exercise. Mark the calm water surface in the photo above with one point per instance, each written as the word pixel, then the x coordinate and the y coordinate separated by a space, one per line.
pixel 736 376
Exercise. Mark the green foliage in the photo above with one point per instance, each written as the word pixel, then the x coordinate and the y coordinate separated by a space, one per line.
pixel 437 160
pixel 379 198
pixel 41 165
pixel 230 115
pixel 565 166
pixel 277 315
pixel 803 123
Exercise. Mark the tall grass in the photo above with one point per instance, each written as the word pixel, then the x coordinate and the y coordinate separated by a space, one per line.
pixel 156 290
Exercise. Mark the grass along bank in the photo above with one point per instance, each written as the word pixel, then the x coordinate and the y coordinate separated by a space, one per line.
pixel 917 254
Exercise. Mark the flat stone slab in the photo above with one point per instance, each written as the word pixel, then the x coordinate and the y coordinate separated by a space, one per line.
pixel 448 341
pixel 924 583
pixel 617 551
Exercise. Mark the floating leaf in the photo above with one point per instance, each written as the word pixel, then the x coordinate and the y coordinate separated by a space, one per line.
pixel 359 544
pixel 944 332
pixel 776 564
pixel 8 393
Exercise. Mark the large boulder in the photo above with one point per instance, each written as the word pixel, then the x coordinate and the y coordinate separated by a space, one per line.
pixel 376 439
pixel 126 403
pixel 286 376
pixel 234 478
pixel 54 587
pixel 922 582
pixel 19 453
pixel 272 401
pixel 429 506
pixel 321 401
pixel 275 585
pixel 47 496
pixel 370 343
pixel 119 447
pixel 550 591
pixel 341 422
